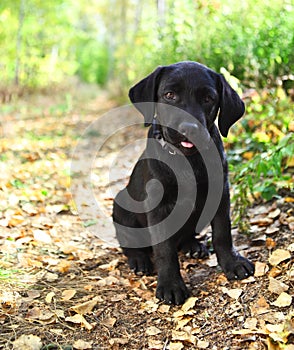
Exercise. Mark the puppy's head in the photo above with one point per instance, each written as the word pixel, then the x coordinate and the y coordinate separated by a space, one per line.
pixel 186 97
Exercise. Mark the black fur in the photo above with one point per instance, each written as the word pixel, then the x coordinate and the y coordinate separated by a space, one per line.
pixel 198 95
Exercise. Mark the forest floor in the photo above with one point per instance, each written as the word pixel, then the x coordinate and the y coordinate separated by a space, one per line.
pixel 64 282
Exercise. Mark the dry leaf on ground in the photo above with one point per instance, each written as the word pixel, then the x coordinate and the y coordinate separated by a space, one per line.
pixel 278 256
pixel 283 300
pixel 27 342
pixel 276 286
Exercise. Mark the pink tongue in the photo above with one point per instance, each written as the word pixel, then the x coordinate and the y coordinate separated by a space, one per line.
pixel 187 144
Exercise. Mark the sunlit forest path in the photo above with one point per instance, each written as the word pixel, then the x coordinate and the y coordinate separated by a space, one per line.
pixel 65 288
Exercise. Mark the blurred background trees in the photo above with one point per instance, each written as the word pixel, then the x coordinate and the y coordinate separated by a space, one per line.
pixel 44 41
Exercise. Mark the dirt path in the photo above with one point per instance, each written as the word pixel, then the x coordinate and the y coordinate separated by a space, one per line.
pixel 62 287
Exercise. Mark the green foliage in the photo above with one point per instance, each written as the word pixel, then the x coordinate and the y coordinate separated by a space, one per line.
pixel 93 62
pixel 253 40
pixel 261 161
pixel 42 42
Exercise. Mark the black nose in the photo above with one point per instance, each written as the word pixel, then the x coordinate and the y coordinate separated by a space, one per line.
pixel 187 129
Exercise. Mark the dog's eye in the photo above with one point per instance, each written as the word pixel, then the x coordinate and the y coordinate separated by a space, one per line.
pixel 170 95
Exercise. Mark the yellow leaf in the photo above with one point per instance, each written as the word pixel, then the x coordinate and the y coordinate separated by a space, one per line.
pixel 87 307
pixel 250 323
pixel 232 293
pixel 283 300
pixel 82 345
pixel 80 320
pixel 183 336
pixel 248 155
pixel 175 346
pixel 68 294
pixel 49 297
pixel 278 256
pixel 290 162
pixel 189 304
pixel 260 269
pixel 183 322
pixel 201 344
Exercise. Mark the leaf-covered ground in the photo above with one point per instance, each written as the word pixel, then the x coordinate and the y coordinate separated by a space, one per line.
pixel 62 287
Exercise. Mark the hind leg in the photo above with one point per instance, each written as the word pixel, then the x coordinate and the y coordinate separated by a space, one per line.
pixel 193 248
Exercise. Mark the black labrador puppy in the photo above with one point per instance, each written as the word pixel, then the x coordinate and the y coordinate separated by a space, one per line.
pixel 180 183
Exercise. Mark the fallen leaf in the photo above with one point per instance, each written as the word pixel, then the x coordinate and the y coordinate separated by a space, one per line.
pixel 260 307
pixel 27 342
pixel 232 293
pixel 109 321
pixel 274 214
pixel 33 313
pixel 183 336
pixel 49 297
pixel 164 308
pixel 68 294
pixel 275 328
pixel 289 347
pixel 260 269
pixel 64 265
pixel 175 346
pixel 155 344
pixel 86 307
pixel 201 344
pixel 274 272
pixel 150 306
pixel 276 286
pixel 42 236
pixel 278 256
pixel 271 230
pixel 50 277
pixel 80 320
pixel 270 243
pixel 82 345
pixel 283 300
pixel 189 304
pixel 274 317
pixel 181 323
pixel 152 330
pixel 261 221
pixel 249 279
pixel 250 323
pixel 30 209
pixel 16 220
pixel 110 266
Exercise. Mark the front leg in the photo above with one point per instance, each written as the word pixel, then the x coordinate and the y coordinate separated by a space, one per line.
pixel 170 285
pixel 233 264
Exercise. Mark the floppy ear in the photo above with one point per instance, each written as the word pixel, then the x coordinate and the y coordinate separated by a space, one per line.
pixel 231 106
pixel 146 91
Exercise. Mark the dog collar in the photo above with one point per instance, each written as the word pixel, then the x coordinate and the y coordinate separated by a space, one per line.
pixel 157 134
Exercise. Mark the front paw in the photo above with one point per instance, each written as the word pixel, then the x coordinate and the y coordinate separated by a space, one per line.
pixel 172 291
pixel 237 267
